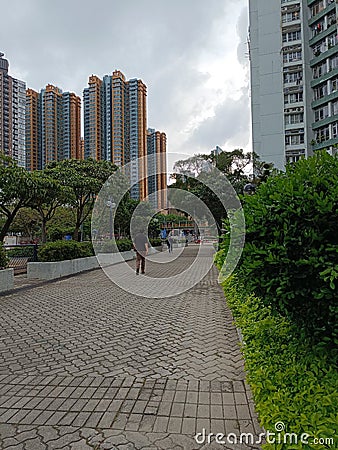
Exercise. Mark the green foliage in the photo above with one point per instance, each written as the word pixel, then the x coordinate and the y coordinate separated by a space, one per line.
pixel 21 251
pixel 62 223
pixel 124 245
pixel 290 259
pixel 3 258
pixel 171 218
pixel 50 195
pixel 109 246
pixel 124 213
pixel 84 179
pixel 155 242
pixel 88 246
pixel 63 250
pixel 27 222
pixel 233 164
pixel 292 380
pixel 17 190
pixel 208 184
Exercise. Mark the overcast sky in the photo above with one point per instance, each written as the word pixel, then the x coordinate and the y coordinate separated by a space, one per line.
pixel 191 54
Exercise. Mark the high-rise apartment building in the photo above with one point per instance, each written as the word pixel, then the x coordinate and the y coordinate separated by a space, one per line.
pixel 33 130
pixel 12 114
pixel 157 168
pixel 71 105
pixel 53 126
pixel 93 129
pixel 294 80
pixel 82 148
pixel 115 125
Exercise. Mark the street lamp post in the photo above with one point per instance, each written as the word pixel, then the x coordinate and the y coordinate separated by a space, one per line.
pixel 110 205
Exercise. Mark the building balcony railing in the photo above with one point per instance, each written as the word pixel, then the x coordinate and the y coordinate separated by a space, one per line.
pixel 326 121
pixel 318 37
pixel 324 77
pixel 325 99
pixel 323 55
pixel 325 144
pixel 322 13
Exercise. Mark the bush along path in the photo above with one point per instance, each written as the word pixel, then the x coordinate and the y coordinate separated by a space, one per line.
pixel 294 382
pixel 284 299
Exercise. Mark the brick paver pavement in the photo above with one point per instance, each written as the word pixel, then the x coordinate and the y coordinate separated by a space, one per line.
pixel 86 365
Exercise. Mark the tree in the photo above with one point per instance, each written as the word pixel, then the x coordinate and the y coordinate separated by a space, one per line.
pixel 235 165
pixel 261 170
pixel 27 222
pixel 51 194
pixel 17 189
pixel 193 173
pixel 124 213
pixel 62 223
pixel 84 178
pixel 193 165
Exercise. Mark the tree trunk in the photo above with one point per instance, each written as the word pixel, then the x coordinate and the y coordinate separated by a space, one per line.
pixel 76 233
pixel 44 231
pixel 7 224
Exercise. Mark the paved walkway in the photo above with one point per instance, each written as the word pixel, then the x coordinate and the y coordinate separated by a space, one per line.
pixel 86 365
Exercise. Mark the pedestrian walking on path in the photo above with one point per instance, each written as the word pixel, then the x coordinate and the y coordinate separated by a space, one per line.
pixel 141 246
pixel 170 243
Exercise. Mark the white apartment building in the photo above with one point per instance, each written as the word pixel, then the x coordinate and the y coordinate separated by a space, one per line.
pixel 294 78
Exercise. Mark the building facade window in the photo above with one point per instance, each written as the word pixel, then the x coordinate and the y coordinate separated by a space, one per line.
pixel 294 139
pixel 293 98
pixel 291 119
pixel 321 113
pixel 320 91
pixel 322 134
pixel 293 77
pixel 290 16
pixel 317 7
pixel 291 36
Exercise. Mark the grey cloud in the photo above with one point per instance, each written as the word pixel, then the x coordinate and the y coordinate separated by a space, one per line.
pixel 159 41
pixel 229 126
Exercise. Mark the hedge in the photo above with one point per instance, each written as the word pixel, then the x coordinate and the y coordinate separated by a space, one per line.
pixel 63 250
pixel 290 258
pixel 292 380
pixel 3 258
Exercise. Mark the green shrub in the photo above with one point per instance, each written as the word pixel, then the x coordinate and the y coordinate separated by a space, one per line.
pixel 290 258
pixel 292 380
pixel 88 246
pixel 56 232
pixel 63 250
pixel 3 258
pixel 24 251
pixel 155 242
pixel 109 246
pixel 124 245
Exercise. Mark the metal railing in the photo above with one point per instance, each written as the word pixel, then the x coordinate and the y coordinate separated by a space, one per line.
pixel 20 255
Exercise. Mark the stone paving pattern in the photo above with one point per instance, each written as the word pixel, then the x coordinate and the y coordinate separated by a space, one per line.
pixel 86 365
